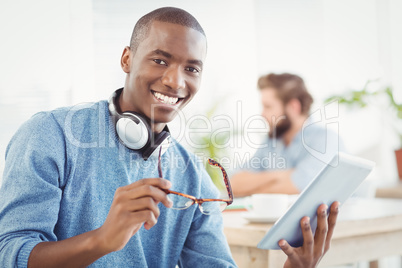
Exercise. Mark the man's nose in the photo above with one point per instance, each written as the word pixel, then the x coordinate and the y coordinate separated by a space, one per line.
pixel 174 78
pixel 266 116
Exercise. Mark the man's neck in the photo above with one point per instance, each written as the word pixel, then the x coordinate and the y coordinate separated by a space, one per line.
pixel 124 106
pixel 157 127
pixel 296 126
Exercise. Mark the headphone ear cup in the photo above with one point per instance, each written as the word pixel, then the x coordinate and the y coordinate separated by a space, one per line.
pixel 132 131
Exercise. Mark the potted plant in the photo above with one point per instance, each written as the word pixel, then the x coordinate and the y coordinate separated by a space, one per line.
pixel 213 144
pixel 382 97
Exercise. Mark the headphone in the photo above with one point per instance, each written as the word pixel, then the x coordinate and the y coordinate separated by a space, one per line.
pixel 134 131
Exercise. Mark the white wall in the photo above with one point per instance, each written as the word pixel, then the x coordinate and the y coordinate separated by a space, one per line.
pixel 336 46
pixel 57 53
pixel 46 59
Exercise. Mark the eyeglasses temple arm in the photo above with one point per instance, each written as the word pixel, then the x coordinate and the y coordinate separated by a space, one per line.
pixel 159 163
pixel 225 178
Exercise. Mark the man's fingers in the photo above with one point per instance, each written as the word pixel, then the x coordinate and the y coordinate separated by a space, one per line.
pixel 314 248
pixel 322 229
pixel 308 240
pixel 333 215
pixel 156 182
pixel 138 202
pixel 145 203
pixel 147 217
pixel 149 188
pixel 286 248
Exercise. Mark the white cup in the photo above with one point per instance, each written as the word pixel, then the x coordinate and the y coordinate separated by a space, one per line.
pixel 269 205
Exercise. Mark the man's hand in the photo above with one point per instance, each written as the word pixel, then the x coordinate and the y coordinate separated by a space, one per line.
pixel 133 205
pixel 314 248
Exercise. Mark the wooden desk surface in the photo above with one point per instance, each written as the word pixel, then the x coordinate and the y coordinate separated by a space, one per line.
pixel 391 191
pixel 367 229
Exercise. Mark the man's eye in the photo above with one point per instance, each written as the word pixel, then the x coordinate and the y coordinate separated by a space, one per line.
pixel 162 62
pixel 193 70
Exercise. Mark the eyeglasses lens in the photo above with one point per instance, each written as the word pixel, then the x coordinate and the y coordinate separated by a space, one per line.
pixel 180 202
pixel 213 207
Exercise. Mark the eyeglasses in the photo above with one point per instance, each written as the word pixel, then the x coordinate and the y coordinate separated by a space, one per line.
pixel 206 206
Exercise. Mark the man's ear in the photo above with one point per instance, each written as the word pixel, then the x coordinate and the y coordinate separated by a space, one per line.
pixel 293 107
pixel 125 60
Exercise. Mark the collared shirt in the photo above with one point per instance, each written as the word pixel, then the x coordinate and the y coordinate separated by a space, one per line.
pixel 308 152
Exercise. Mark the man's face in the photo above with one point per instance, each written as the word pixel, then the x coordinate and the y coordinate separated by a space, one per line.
pixel 164 74
pixel 274 112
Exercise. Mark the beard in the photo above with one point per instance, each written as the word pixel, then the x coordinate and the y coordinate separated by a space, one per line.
pixel 278 130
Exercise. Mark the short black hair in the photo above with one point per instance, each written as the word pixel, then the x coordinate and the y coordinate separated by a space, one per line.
pixel 165 14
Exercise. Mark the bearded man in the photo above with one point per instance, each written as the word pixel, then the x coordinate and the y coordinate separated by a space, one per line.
pixel 285 162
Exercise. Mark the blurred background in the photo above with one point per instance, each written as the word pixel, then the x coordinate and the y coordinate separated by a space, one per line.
pixel 60 53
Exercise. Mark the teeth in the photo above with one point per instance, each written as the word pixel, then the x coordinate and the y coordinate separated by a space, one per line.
pixel 165 99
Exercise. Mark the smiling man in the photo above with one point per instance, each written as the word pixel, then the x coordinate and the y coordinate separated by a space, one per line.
pixel 163 71
pixel 82 186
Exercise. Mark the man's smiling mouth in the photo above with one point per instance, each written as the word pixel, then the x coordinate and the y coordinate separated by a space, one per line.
pixel 165 99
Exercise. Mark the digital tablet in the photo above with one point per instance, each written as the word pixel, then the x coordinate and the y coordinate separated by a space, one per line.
pixel 335 182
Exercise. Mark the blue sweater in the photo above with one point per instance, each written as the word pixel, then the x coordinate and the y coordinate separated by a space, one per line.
pixel 62 169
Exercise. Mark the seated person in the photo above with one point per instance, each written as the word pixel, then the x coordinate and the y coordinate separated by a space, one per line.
pixel 79 191
pixel 284 163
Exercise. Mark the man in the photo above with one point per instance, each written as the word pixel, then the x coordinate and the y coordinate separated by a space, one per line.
pixel 74 196
pixel 284 163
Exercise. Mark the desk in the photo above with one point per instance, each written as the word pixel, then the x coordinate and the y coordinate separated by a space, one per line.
pixel 392 191
pixel 367 229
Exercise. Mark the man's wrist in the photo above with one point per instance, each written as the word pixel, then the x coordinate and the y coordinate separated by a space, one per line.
pixel 97 244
